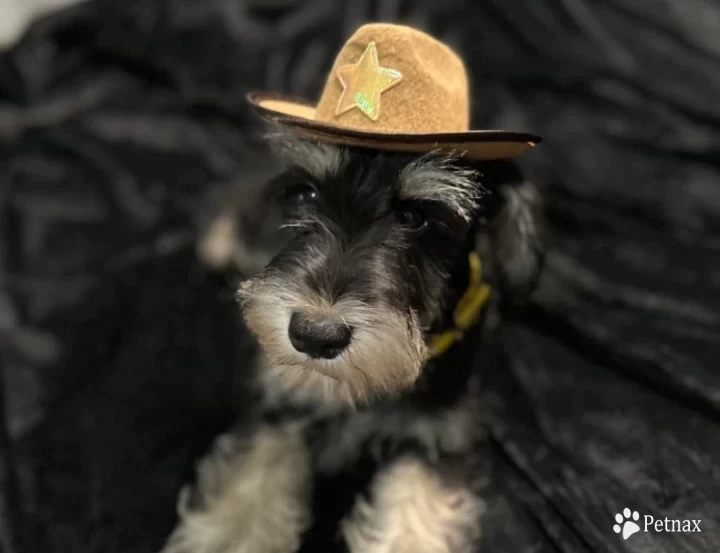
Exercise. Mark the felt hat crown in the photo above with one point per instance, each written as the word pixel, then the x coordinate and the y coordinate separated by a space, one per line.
pixel 396 88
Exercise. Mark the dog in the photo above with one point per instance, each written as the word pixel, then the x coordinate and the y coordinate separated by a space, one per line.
pixel 394 271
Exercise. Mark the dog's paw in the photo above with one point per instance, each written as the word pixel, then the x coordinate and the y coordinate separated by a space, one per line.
pixel 250 498
pixel 413 509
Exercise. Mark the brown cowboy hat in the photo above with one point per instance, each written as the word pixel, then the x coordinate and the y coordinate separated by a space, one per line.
pixel 394 88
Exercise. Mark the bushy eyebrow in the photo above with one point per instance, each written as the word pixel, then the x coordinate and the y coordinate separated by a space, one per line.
pixel 440 179
pixel 319 159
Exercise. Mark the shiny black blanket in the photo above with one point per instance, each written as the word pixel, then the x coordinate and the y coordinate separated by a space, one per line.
pixel 122 126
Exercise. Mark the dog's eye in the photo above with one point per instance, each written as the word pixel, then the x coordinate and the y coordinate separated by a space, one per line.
pixel 413 219
pixel 299 195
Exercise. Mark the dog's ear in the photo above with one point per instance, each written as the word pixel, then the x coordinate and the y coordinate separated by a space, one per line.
pixel 512 230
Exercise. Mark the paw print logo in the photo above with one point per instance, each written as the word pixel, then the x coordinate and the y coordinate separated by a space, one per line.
pixel 627 523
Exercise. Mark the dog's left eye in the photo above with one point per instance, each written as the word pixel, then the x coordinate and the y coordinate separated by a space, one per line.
pixel 413 219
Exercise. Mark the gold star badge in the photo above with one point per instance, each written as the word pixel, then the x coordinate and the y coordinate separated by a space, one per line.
pixel 363 83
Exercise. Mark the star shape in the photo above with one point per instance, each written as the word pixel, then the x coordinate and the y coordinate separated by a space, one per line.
pixel 363 83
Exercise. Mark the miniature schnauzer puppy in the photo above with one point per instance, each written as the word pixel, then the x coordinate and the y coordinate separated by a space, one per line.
pixel 367 438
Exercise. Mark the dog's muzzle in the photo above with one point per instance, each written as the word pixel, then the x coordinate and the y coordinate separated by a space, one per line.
pixel 331 349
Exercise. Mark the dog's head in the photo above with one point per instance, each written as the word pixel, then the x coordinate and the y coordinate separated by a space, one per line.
pixel 344 309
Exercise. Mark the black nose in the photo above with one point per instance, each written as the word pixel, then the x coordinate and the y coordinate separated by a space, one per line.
pixel 318 338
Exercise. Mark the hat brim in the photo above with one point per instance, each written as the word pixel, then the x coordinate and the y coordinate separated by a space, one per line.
pixel 299 116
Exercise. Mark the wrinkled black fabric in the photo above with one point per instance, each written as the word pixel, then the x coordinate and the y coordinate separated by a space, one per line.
pixel 122 124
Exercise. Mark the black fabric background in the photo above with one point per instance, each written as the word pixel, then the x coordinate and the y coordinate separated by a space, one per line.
pixel 122 124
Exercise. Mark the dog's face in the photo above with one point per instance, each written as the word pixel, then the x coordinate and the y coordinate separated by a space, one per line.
pixel 343 310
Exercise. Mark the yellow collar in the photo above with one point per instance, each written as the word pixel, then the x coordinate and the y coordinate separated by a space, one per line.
pixel 466 312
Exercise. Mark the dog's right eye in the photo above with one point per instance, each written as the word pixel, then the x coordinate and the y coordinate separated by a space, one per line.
pixel 300 194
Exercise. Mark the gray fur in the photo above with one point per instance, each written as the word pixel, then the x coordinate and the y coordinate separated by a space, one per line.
pixel 435 177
